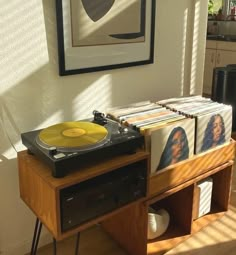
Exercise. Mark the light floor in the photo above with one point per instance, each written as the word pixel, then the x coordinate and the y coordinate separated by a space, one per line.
pixel 218 238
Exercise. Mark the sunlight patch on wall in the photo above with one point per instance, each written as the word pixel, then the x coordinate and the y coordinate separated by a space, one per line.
pixel 195 48
pixel 11 153
pixel 97 96
pixel 23 46
pixel 13 134
pixel 55 118
pixel 185 25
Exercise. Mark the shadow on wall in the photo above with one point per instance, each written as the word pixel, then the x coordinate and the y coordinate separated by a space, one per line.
pixel 34 96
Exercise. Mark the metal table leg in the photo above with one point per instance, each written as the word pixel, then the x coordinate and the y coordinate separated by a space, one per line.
pixel 77 244
pixel 54 246
pixel 35 241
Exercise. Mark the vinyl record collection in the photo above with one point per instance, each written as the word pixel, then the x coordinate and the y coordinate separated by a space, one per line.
pixel 177 128
pixel 144 116
pixel 213 121
pixel 168 135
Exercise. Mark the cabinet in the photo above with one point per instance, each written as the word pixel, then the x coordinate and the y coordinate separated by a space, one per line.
pixel 218 54
pixel 44 195
pixel 174 188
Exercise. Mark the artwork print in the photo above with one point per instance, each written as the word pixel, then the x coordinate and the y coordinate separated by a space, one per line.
pixel 176 148
pixel 107 22
pixel 213 129
pixel 97 35
pixel 172 144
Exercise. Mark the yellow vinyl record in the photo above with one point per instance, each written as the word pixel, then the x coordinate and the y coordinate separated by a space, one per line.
pixel 76 134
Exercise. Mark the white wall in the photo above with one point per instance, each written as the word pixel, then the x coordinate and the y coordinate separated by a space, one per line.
pixel 34 96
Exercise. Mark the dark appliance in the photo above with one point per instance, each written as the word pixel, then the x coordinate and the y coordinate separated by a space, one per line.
pixel 95 197
pixel 224 88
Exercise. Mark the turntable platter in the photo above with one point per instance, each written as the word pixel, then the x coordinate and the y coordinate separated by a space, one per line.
pixel 69 135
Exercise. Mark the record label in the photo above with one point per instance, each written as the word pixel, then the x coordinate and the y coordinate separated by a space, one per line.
pixel 73 132
pixel 77 135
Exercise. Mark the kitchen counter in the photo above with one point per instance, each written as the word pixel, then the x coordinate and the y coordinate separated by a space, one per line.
pixel 228 38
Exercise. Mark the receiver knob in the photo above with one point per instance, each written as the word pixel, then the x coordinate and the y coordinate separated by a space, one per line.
pixel 52 151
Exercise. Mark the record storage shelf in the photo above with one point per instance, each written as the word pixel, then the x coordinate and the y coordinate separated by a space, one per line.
pixel 173 188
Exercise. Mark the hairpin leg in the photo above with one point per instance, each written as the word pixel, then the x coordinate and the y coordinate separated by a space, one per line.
pixel 35 241
pixel 77 244
pixel 54 246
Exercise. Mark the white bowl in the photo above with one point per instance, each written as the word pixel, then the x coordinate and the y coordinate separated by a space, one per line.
pixel 158 222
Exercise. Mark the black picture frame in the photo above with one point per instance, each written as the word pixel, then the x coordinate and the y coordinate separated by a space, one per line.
pixel 76 59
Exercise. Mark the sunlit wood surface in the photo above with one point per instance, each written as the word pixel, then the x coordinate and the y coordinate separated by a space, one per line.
pixel 216 239
pixel 129 226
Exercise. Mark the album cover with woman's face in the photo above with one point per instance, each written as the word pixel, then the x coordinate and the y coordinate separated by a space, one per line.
pixel 213 129
pixel 172 144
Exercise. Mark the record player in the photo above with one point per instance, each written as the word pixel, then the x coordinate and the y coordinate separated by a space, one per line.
pixel 70 145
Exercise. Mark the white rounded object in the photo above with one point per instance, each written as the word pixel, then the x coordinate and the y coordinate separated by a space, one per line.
pixel 158 222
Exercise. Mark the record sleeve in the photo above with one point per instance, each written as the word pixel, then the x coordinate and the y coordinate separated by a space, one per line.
pixel 213 129
pixel 181 100
pixel 153 110
pixel 117 112
pixel 145 129
pixel 148 117
pixel 171 144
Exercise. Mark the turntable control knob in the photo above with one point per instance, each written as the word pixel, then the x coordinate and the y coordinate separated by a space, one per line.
pixel 52 151
pixel 123 129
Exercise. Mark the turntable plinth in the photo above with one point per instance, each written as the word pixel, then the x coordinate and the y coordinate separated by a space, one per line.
pixel 68 146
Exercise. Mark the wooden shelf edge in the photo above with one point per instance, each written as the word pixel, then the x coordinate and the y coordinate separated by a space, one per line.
pixel 205 221
pixel 82 174
pixel 161 247
pixel 153 198
pixel 190 168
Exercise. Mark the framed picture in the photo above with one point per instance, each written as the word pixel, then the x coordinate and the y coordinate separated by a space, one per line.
pixel 96 35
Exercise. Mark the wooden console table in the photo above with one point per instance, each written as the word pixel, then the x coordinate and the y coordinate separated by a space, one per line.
pixel 173 189
pixel 41 192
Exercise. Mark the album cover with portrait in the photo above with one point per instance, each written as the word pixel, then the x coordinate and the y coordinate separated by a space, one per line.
pixel 172 144
pixel 213 128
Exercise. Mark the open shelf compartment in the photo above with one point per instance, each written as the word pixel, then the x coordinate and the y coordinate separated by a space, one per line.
pixel 219 201
pixel 179 206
